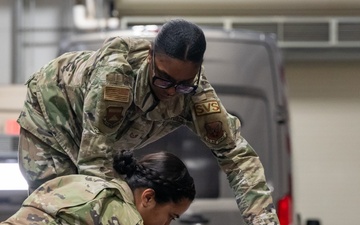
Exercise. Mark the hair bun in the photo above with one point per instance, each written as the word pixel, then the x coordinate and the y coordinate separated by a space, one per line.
pixel 125 163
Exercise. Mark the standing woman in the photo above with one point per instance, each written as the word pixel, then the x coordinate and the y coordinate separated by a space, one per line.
pixel 156 190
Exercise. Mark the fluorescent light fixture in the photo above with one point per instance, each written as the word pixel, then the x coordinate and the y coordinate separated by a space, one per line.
pixel 11 177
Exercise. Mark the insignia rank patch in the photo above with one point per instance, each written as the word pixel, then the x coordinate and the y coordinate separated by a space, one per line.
pixel 117 94
pixel 214 132
pixel 207 107
pixel 113 116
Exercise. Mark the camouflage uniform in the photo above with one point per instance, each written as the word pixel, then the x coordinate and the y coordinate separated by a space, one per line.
pixel 95 201
pixel 83 106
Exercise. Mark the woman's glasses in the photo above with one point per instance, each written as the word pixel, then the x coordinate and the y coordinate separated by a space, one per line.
pixel 180 87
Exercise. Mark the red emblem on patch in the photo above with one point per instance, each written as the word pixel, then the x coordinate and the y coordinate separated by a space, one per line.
pixel 214 132
pixel 113 116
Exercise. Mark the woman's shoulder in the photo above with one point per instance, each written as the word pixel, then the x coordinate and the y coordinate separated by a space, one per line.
pixel 126 44
pixel 66 191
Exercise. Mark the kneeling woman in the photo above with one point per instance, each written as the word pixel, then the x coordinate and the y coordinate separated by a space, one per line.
pixel 155 190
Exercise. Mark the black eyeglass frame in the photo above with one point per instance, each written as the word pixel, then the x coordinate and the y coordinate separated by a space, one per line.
pixel 171 83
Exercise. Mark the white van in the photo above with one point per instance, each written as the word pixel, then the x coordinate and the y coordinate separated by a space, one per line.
pixel 245 68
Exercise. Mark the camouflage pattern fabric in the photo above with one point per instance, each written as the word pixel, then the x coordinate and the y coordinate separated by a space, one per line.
pixel 95 201
pixel 86 105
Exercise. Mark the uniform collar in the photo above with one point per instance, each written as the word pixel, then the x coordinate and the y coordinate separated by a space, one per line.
pixel 127 195
pixel 126 192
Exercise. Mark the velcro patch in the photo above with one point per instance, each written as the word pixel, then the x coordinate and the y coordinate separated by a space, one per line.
pixel 113 116
pixel 214 132
pixel 207 107
pixel 117 94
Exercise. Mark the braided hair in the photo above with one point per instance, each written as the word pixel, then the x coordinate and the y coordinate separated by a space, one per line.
pixel 182 40
pixel 163 172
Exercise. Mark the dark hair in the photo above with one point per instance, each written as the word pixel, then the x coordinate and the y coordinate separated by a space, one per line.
pixel 164 172
pixel 182 40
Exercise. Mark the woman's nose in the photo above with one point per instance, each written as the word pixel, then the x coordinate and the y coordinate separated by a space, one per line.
pixel 171 91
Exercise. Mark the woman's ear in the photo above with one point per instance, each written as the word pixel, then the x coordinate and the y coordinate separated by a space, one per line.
pixel 148 198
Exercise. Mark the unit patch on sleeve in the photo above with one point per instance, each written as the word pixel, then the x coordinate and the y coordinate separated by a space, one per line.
pixel 214 132
pixel 207 107
pixel 113 116
pixel 117 94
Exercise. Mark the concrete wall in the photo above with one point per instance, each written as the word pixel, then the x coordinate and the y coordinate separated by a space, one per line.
pixel 325 109
pixel 5 41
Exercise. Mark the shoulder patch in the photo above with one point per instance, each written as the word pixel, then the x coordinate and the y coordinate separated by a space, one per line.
pixel 117 94
pixel 214 132
pixel 113 116
pixel 207 107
